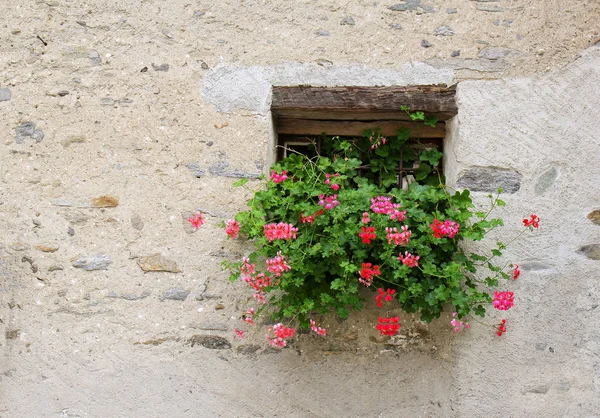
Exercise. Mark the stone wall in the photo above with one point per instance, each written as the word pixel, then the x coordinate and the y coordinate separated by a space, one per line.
pixel 118 121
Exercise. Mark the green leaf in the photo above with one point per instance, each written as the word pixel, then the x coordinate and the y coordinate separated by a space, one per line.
pixel 240 182
pixel 337 284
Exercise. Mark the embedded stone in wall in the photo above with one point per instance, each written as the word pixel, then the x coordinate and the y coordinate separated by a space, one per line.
pixel 546 180
pixel 128 296
pixel 137 222
pixel 348 21
pixel 105 201
pixel 594 216
pixel 444 31
pixel 157 262
pixel 28 130
pixel 176 293
pixel 489 179
pixel 408 5
pixel 5 95
pixel 591 251
pixel 210 341
pixel 93 262
pixel 47 248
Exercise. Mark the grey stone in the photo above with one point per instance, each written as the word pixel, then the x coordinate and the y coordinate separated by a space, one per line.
pixel 594 216
pixel 452 11
pixel 63 93
pixel 541 389
pixel 546 180
pixel 176 293
pixel 70 231
pixel 28 130
pixel 489 179
pixel 129 296
pixel 161 67
pixel 444 31
pixel 5 95
pixel 322 33
pixel 425 43
pixel 210 341
pixel 93 262
pixel 204 65
pixel 107 101
pixel 137 222
pixel 395 26
pixel 213 326
pixel 455 54
pixel 94 57
pixel 195 169
pixel 248 348
pixel 55 267
pixel 494 53
pixel 507 22
pixel 198 13
pixel 347 20
pixel 409 5
pixel 489 8
pixel 324 63
pixel 220 168
pixel 496 22
pixel 591 251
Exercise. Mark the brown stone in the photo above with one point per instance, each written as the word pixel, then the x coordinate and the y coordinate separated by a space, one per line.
pixel 591 251
pixel 594 216
pixel 12 334
pixel 47 248
pixel 157 262
pixel 105 201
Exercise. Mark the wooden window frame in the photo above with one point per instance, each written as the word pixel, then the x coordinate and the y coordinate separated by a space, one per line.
pixel 350 110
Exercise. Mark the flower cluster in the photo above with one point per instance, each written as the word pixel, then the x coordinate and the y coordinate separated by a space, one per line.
pixel 315 328
pixel 334 186
pixel 278 178
pixel 280 231
pixel 259 283
pixel 277 264
pixel 232 228
pixel 447 229
pixel 365 218
pixel 408 259
pixel 501 328
pixel 277 334
pixel 388 326
pixel 399 238
pixel 388 296
pixel 384 206
pixel 329 202
pixel 516 272
pixel 458 325
pixel 249 316
pixel 367 273
pixel 503 301
pixel 196 220
pixel 239 333
pixel 367 234
pixel 377 140
pixel 310 218
pixel 533 221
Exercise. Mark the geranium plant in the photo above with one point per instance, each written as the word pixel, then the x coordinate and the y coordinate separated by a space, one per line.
pixel 346 218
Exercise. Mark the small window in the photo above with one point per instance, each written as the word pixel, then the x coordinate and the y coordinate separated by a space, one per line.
pixel 304 117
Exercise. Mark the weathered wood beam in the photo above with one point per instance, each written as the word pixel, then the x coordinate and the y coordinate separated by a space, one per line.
pixel 434 100
pixel 356 128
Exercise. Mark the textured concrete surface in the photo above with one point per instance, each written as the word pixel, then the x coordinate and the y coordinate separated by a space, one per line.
pixel 127 101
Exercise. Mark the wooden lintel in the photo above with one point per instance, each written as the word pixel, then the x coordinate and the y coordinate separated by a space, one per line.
pixel 433 100
pixel 356 128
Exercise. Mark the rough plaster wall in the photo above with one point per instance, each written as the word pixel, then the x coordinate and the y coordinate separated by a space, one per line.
pixel 531 126
pixel 123 99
